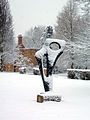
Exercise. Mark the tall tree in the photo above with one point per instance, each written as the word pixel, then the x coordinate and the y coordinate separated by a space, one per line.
pixel 85 8
pixel 32 38
pixel 84 13
pixel 86 16
pixel 48 33
pixel 6 30
pixel 71 27
pixel 68 22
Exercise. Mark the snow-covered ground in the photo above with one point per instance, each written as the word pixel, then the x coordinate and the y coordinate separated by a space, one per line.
pixel 18 98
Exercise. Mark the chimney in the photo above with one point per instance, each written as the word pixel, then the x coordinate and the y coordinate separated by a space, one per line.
pixel 20 45
pixel 19 39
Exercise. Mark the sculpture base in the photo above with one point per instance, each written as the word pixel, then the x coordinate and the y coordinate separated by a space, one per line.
pixel 48 97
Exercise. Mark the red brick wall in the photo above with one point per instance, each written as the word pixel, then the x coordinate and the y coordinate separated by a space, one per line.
pixel 30 53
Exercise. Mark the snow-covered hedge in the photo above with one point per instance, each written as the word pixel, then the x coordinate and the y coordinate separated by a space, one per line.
pixel 83 74
pixel 36 71
pixel 22 70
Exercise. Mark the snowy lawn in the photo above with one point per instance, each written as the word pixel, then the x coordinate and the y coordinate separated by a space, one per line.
pixel 18 98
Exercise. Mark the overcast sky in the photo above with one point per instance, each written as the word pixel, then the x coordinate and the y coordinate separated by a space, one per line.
pixel 28 13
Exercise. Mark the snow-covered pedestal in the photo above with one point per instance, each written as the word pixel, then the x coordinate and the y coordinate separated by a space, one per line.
pixel 49 96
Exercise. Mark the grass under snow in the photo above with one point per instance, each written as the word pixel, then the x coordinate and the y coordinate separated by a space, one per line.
pixel 18 98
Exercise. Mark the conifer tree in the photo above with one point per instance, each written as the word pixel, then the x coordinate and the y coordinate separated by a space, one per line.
pixel 6 31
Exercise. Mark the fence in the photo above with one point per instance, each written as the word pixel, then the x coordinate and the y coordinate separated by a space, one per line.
pixel 11 68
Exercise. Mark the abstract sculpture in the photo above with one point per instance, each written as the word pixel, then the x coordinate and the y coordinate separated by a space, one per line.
pixel 51 49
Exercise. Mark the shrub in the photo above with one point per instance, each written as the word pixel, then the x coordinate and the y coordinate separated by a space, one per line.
pixel 71 74
pixel 79 74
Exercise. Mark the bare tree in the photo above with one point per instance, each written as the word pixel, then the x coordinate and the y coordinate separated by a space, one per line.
pixel 68 22
pixel 32 38
pixel 71 27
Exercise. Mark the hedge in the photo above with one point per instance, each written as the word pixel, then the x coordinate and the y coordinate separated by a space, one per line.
pixel 83 74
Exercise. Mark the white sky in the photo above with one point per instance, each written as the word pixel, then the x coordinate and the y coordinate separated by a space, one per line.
pixel 28 13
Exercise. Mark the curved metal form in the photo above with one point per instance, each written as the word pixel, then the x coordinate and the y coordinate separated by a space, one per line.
pixel 51 54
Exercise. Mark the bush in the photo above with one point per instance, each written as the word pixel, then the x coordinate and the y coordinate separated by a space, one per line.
pixel 22 70
pixel 85 76
pixel 36 71
pixel 79 74
pixel 71 74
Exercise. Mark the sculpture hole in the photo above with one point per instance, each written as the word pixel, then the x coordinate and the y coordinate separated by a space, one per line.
pixel 55 46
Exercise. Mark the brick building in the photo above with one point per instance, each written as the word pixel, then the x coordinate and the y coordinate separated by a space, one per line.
pixel 27 53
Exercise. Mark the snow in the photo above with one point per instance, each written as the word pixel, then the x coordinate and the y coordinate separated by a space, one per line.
pixel 82 70
pixel 49 80
pixel 18 98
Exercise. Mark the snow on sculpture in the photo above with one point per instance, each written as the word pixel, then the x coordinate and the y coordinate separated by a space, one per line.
pixel 51 49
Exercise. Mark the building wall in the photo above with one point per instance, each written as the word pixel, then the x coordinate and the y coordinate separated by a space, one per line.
pixel 11 68
pixel 29 53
